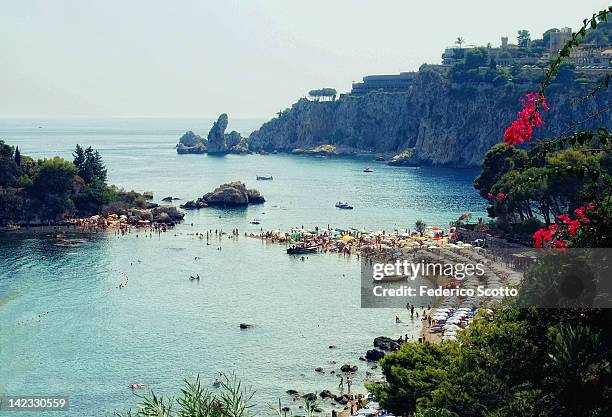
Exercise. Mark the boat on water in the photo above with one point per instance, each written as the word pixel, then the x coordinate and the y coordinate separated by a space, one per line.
pixel 12 227
pixel 255 221
pixel 301 250
pixel 344 206
pixel 264 178
pixel 368 169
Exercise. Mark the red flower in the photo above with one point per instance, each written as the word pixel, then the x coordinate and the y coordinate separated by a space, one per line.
pixel 564 218
pixel 591 206
pixel 522 128
pixel 580 213
pixel 572 227
pixel 490 196
pixel 559 244
pixel 543 236
pixel 501 196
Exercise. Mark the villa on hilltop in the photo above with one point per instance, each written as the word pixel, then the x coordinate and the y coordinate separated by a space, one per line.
pixel 590 58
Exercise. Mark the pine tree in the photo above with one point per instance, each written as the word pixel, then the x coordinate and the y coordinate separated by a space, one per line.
pixel 17 156
pixel 79 157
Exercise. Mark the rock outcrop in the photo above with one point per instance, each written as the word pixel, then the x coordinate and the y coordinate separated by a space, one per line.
pixel 191 143
pixel 233 194
pixel 216 137
pixel 217 141
pixel 374 355
pixel 386 343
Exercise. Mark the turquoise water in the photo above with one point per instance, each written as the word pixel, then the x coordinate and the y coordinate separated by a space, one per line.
pixel 161 328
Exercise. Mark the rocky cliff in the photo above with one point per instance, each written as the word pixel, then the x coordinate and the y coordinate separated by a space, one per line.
pixel 436 122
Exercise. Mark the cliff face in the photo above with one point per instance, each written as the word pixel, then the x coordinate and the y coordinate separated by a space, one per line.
pixel 436 122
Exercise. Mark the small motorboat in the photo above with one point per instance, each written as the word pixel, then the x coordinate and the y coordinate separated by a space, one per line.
pixel 368 169
pixel 264 178
pixel 344 206
pixel 197 277
pixel 301 250
pixel 216 383
pixel 255 221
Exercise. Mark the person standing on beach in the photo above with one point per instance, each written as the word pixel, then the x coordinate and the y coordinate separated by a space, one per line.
pixel 349 382
pixel 341 384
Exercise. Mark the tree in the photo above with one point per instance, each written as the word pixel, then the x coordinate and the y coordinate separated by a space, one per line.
pixel 498 161
pixel 420 226
pixel 9 170
pixel 476 57
pixel 526 362
pixel 17 156
pixel 90 165
pixel 460 41
pixel 52 185
pixel 524 38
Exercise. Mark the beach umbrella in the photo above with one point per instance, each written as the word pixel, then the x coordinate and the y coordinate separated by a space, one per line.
pixel 451 327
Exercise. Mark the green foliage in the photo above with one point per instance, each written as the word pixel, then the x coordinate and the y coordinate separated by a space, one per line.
pixel 90 165
pixel 526 362
pixel 476 57
pixel 498 161
pixel 523 38
pixel 420 226
pixel 325 93
pixel 233 400
pixel 51 189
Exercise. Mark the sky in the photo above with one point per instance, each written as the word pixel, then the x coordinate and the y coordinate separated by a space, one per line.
pixel 248 58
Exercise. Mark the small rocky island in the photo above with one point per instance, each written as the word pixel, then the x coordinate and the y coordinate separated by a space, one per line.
pixel 217 141
pixel 233 194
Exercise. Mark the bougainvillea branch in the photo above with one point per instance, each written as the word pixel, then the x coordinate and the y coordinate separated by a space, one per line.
pixel 521 129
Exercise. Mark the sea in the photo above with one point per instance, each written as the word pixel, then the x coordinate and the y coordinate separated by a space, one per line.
pixel 67 330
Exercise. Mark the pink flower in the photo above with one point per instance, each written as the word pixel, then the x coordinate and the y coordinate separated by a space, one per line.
pixel 521 129
pixel 501 196
pixel 490 196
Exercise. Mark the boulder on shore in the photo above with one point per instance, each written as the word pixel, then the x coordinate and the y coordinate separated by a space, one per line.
pixel 326 394
pixel 349 368
pixel 386 343
pixel 374 355
pixel 167 214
